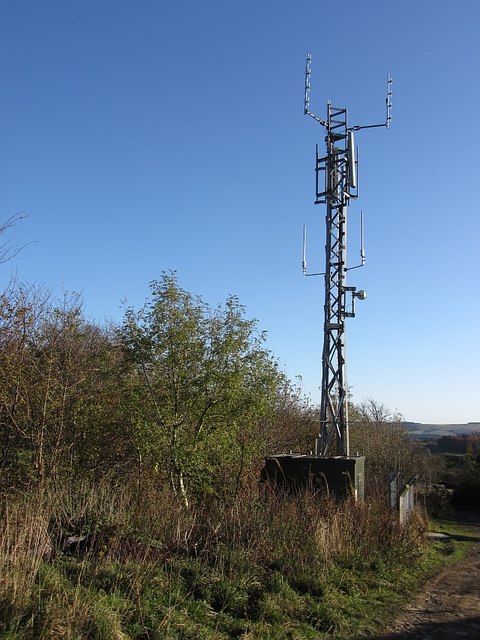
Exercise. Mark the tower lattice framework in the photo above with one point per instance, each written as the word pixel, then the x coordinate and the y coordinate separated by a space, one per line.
pixel 333 435
pixel 336 185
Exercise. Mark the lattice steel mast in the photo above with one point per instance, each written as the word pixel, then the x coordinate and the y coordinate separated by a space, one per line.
pixel 335 188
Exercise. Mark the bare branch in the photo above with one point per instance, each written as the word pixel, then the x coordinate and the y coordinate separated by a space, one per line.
pixel 7 249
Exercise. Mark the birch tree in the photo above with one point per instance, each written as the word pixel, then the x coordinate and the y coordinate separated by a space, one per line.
pixel 200 379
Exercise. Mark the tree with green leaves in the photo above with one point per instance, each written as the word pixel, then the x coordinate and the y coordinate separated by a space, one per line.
pixel 199 381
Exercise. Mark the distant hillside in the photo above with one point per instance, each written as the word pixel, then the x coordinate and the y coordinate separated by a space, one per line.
pixel 419 429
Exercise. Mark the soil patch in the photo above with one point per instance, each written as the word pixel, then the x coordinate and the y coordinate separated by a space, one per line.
pixel 448 607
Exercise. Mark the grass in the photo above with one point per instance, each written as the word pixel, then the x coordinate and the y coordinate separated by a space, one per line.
pixel 462 534
pixel 265 567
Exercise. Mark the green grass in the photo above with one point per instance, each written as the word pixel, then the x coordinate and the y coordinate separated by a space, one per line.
pixel 462 535
pixel 280 569
pixel 109 600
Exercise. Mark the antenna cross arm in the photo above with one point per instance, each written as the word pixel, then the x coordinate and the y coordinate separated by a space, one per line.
pixel 367 126
pixel 312 115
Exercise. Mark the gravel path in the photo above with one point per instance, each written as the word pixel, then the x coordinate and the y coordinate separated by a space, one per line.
pixel 448 608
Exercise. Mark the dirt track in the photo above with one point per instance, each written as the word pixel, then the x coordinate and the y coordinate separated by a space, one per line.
pixel 448 608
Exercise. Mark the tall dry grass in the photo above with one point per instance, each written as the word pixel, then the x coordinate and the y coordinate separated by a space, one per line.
pixel 24 542
pixel 52 595
pixel 35 525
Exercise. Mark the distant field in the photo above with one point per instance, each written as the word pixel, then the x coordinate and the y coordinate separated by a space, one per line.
pixel 419 429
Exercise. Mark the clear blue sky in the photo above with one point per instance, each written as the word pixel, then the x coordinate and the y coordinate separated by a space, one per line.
pixel 146 136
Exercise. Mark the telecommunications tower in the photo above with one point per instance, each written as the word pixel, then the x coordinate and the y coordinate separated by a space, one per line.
pixel 331 468
pixel 336 185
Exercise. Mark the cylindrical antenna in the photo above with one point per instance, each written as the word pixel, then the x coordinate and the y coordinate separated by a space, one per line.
pixel 357 174
pixel 388 118
pixel 304 260
pixel 304 256
pixel 388 100
pixel 306 101
pixel 362 240
pixel 352 165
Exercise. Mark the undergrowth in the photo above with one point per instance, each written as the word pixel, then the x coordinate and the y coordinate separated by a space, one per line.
pixel 143 567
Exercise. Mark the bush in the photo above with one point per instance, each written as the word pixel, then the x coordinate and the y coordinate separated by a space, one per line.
pixel 467 495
